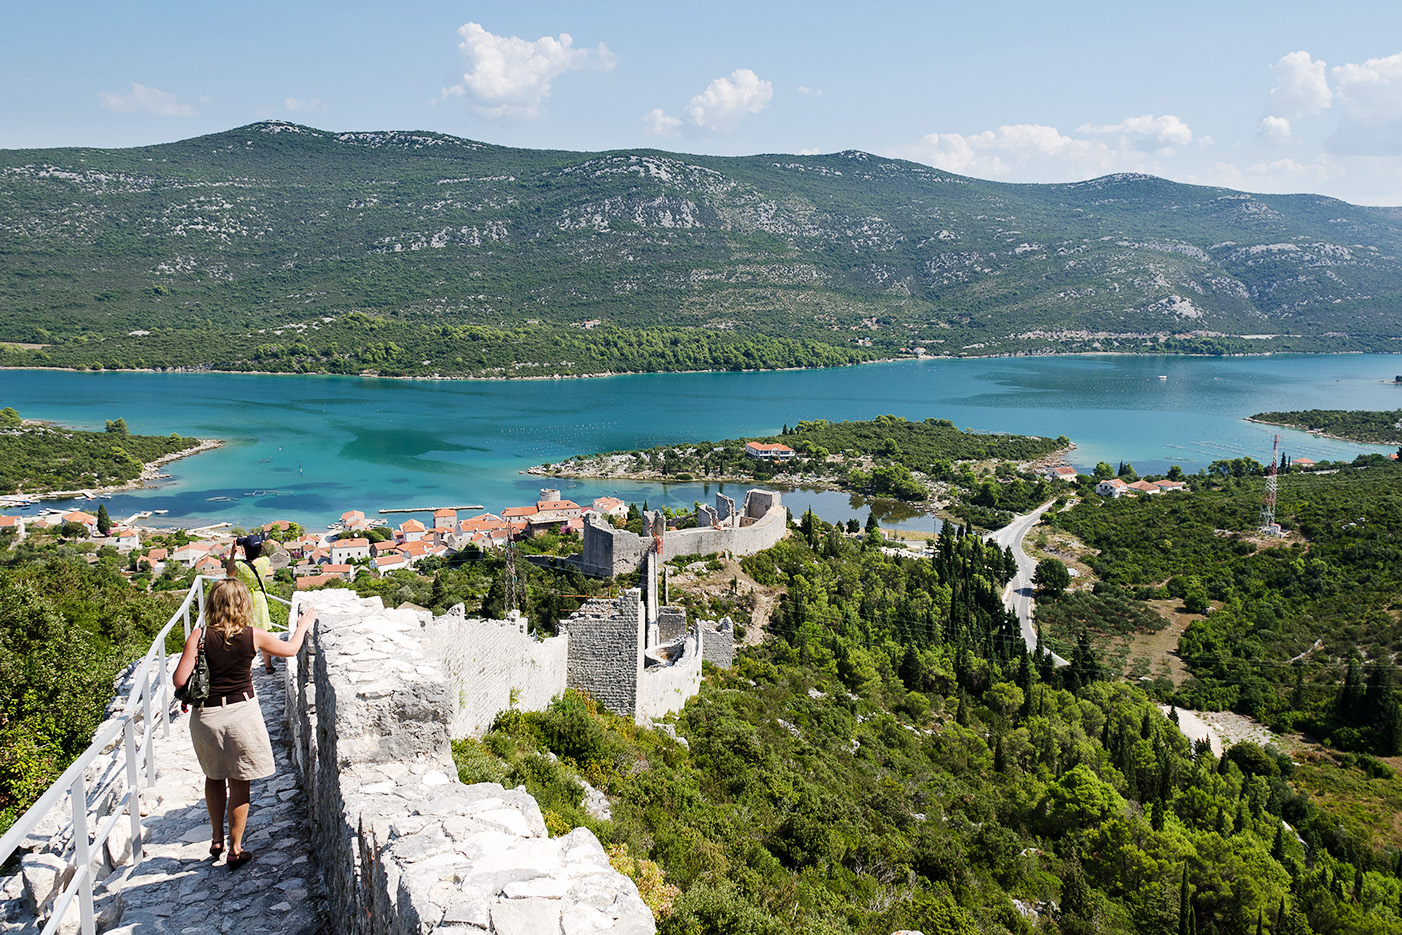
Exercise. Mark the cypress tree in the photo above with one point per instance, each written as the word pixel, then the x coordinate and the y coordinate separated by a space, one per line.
pixel 1185 909
pixel 1350 701
pixel 104 521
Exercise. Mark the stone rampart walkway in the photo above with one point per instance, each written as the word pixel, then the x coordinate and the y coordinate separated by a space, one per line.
pixel 178 889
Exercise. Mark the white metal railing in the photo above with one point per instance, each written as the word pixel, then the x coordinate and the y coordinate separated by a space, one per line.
pixel 148 706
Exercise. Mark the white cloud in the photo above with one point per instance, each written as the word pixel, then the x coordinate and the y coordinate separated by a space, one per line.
pixel 1279 175
pixel 815 92
pixel 659 124
pixel 1371 90
pixel 1020 152
pixel 296 104
pixel 1274 131
pixel 1301 86
pixel 510 78
pixel 1368 96
pixel 726 101
pixel 1146 132
pixel 145 100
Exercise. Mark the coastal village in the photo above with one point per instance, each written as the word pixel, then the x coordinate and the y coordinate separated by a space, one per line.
pixel 347 546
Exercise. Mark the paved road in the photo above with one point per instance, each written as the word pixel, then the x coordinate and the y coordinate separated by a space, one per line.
pixel 1017 596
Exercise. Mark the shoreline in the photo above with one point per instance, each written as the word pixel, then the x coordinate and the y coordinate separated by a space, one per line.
pixel 630 373
pixel 1320 434
pixel 932 506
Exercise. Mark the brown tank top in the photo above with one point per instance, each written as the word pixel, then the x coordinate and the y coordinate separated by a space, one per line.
pixel 230 663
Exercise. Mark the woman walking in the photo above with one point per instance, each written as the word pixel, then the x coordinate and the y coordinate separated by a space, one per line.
pixel 230 738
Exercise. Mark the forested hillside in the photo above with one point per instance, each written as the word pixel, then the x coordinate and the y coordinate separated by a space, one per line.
pixel 1300 632
pixel 279 247
pixel 893 758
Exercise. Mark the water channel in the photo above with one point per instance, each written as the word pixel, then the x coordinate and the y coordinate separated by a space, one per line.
pixel 309 448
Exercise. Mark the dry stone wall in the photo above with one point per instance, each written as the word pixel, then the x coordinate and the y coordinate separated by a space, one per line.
pixel 664 689
pixel 405 847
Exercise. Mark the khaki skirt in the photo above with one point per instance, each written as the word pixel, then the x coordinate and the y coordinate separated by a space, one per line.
pixel 232 742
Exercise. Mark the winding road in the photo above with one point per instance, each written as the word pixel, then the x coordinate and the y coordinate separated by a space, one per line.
pixel 1017 596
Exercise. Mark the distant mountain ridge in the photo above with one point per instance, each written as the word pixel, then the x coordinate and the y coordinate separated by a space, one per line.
pixel 251 249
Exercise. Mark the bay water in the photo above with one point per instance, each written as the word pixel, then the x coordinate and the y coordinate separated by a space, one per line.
pixel 307 448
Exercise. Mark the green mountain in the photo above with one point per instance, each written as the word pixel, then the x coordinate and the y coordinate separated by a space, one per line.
pixel 256 249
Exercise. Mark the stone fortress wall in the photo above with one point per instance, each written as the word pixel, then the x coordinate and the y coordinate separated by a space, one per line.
pixel 759 523
pixel 404 846
pixel 493 665
pixel 608 639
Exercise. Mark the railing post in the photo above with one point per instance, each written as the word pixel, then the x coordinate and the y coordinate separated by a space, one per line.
pixel 81 853
pixel 150 730
pixel 164 682
pixel 134 786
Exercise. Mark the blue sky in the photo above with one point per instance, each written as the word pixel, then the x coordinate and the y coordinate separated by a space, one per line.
pixel 1267 97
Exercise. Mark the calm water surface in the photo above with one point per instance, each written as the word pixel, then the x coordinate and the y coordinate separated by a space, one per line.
pixel 309 448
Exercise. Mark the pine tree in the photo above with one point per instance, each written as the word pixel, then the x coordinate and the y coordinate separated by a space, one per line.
pixel 104 521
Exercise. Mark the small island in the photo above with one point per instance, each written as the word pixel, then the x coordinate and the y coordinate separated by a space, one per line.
pixel 37 458
pixel 1357 425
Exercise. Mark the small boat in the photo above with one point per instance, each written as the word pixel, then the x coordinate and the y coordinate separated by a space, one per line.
pixel 1163 376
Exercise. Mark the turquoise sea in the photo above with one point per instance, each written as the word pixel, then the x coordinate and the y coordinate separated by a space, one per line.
pixel 309 448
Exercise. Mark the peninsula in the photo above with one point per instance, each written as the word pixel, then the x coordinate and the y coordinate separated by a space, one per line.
pixel 1365 427
pixel 39 459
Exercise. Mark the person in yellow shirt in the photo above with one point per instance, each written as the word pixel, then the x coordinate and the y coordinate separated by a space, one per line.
pixel 255 569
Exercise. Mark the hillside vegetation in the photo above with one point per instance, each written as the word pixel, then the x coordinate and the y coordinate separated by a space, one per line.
pixel 1355 425
pixel 892 758
pixel 36 458
pixel 278 247
pixel 1302 631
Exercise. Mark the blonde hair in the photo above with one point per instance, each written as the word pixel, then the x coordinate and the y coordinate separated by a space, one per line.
pixel 228 607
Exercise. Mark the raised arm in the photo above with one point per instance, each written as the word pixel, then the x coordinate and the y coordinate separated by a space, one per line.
pixel 270 644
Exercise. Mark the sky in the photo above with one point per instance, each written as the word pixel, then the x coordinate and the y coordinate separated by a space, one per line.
pixel 1278 96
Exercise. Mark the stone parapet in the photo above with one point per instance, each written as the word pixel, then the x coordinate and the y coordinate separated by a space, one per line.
pixel 404 846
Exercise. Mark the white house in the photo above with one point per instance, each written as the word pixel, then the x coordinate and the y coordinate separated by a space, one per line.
pixel 343 551
pixel 1114 487
pixel 767 451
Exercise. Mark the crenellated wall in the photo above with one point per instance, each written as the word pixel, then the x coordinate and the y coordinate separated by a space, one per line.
pixel 404 846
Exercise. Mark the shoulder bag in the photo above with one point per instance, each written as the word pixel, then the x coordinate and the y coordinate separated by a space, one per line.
pixel 195 691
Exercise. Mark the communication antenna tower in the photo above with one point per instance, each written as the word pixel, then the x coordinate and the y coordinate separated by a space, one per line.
pixel 1269 527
